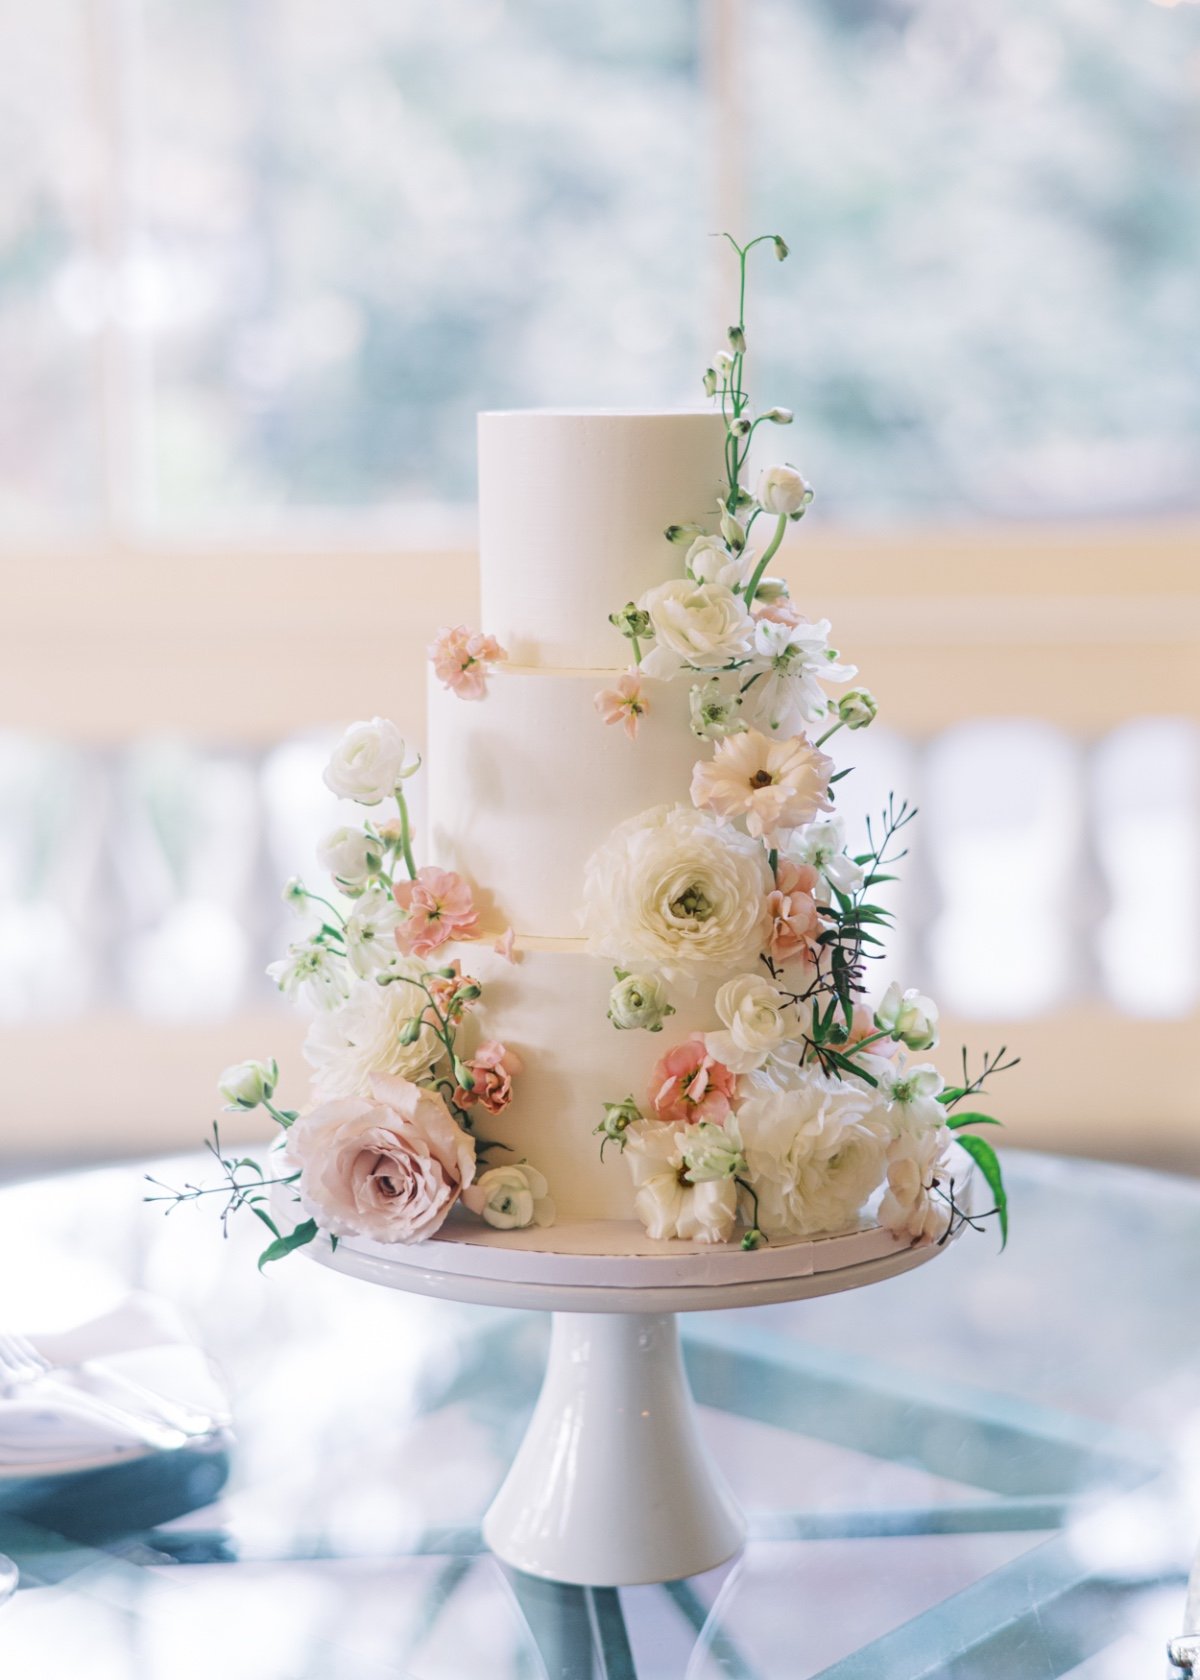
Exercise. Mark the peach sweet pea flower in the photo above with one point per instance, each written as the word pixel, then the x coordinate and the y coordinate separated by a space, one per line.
pixel 388 1166
pixel 773 784
pixel 493 1066
pixel 437 906
pixel 688 1085
pixel 461 658
pixel 447 992
pixel 795 920
pixel 626 703
pixel 780 611
pixel 504 946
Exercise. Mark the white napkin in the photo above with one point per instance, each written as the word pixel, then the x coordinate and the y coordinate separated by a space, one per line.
pixel 52 1425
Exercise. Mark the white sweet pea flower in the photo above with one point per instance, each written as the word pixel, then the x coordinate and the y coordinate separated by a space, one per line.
pixel 712 1153
pixel 908 1095
pixel 352 857
pixel 367 763
pixel 314 972
pixel 704 625
pixel 370 933
pixel 248 1084
pixel 794 660
pixel 908 1017
pixel 783 490
pixel 916 1205
pixel 511 1197
pixel 822 845
pixel 754 1013
pixel 666 1205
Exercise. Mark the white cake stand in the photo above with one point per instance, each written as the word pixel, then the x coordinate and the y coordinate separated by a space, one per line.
pixel 612 1485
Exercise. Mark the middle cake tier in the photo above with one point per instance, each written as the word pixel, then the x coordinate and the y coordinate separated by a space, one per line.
pixel 526 783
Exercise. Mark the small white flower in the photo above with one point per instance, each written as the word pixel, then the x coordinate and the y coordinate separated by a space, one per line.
pixel 511 1198
pixel 822 845
pixel 709 561
pixel 908 1095
pixel 639 1001
pixel 314 972
pixel 704 625
pixel 908 1017
pixel 754 1015
pixel 352 857
pixel 917 1202
pixel 715 714
pixel 677 892
pixel 783 490
pixel 370 934
pixel 794 659
pixel 367 762
pixel 857 708
pixel 712 1153
pixel 815 1152
pixel 248 1084
pixel 372 1032
pixel 668 1205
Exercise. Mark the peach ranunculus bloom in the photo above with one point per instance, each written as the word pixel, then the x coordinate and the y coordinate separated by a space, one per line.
pixel 389 1166
pixel 493 1067
pixel 624 703
pixel 461 659
pixel 688 1085
pixel 437 906
pixel 774 784
pixel 795 919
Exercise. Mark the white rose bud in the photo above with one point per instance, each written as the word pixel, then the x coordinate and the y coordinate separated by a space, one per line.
pixel 367 763
pixel 754 1015
pixel 771 589
pixel 638 1001
pixel 248 1084
pixel 723 362
pixel 783 490
pixel 737 340
pixel 710 382
pixel 733 531
pixel 740 427
pixel 908 1017
pixel 779 416
pixel 510 1198
pixel 857 708
pixel 352 857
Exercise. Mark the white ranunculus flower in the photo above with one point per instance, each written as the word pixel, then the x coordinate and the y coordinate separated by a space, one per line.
pixel 782 490
pixel 312 971
pixel 678 892
pixel 511 1197
pixel 366 1035
pixel 352 857
pixel 639 1001
pixel 367 762
pixel 370 934
pixel 712 1152
pixel 814 1152
pixel 908 1017
pixel 753 1012
pixel 668 1207
pixel 822 845
pixel 249 1083
pixel 703 625
pixel 917 1202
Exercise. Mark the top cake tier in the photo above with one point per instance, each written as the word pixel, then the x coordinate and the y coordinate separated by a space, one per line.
pixel 572 509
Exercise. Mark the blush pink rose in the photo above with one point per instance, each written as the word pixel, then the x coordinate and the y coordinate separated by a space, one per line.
pixel 437 906
pixel 389 1166
pixel 493 1066
pixel 462 658
pixel 688 1085
pixel 795 919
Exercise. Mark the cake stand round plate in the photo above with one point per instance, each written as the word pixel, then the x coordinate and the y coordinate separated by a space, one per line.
pixel 612 1485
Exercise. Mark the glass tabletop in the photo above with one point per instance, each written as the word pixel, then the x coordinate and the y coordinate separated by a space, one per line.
pixel 989 1467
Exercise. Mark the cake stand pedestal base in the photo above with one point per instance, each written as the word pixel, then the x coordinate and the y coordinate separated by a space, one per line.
pixel 612 1485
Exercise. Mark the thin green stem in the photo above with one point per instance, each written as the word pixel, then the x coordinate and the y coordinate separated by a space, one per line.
pixel 406 850
pixel 768 554
pixel 637 651
pixel 317 899
pixel 821 739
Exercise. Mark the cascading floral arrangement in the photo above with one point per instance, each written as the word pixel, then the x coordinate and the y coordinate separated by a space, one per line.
pixel 801 1105
pixel 400 1069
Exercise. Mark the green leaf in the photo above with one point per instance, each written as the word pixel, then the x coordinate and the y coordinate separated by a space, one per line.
pixel 849 1066
pixel 988 1162
pixel 957 1120
pixel 874 880
pixel 287 1245
pixel 952 1094
pixel 265 1217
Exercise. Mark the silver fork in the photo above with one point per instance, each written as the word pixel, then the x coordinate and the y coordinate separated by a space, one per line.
pixel 21 1364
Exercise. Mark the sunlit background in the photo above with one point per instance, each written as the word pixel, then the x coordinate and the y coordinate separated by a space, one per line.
pixel 261 262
